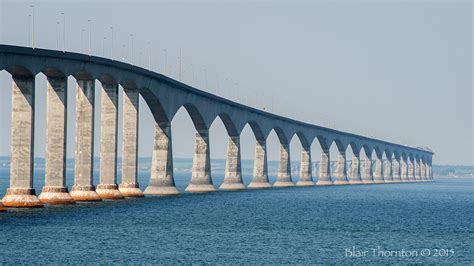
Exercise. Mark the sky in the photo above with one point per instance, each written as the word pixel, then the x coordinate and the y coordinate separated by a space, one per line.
pixel 400 71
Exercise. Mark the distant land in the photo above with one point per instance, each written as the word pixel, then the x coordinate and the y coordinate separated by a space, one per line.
pixel 218 166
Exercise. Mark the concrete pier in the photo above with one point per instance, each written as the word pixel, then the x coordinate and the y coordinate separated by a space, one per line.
pixel 55 190
pixel 396 169
pixel 355 170
pixel 324 169
pixel 341 171
pixel 83 189
pixel 387 171
pixel 404 170
pixel 233 167
pixel 411 171
pixel 284 167
pixel 378 177
pixel 108 188
pixel 423 171
pixel 367 174
pixel 21 192
pixel 129 186
pixel 260 167
pixel 305 178
pixel 161 179
pixel 417 171
pixel 201 180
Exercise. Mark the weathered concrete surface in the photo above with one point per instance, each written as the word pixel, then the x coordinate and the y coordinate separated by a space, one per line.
pixel 396 170
pixel 387 171
pixel 378 177
pixel 201 180
pixel 260 167
pixel 129 186
pixel 411 171
pixel 324 169
pixel 417 171
pixel 305 168
pixel 367 174
pixel 404 170
pixel 21 192
pixel 341 171
pixel 55 190
pixel 355 170
pixel 284 167
pixel 108 188
pixel 233 167
pixel 423 171
pixel 83 189
pixel 162 180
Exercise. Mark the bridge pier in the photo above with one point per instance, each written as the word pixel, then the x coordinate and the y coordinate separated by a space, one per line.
pixel 367 176
pixel 161 179
pixel 233 167
pixel 378 178
pixel 324 169
pixel 417 171
pixel 355 170
pixel 129 186
pixel 404 170
pixel 55 190
pixel 284 167
pixel 260 167
pixel 107 187
pixel 387 171
pixel 201 180
pixel 305 178
pixel 341 171
pixel 396 169
pixel 423 171
pixel 83 189
pixel 21 192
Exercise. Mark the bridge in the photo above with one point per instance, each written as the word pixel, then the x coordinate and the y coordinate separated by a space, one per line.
pixel 165 96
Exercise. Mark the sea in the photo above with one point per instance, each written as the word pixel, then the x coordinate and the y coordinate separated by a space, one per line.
pixel 357 224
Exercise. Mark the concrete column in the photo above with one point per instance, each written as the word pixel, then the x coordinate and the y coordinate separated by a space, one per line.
pixel 355 170
pixel 367 177
pixel 83 189
pixel 233 167
pixel 411 171
pixel 260 168
pixel 55 190
pixel 417 170
pixel 396 170
pixel 21 192
pixel 423 171
pixel 201 180
pixel 305 168
pixel 324 169
pixel 387 171
pixel 404 170
pixel 378 177
pixel 341 171
pixel 107 187
pixel 129 186
pixel 162 180
pixel 284 167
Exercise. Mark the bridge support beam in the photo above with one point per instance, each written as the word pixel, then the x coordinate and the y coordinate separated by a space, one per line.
pixel 404 170
pixel 284 167
pixel 260 167
pixel 324 169
pixel 367 176
pixel 233 167
pixel 108 188
pixel 201 180
pixel 411 171
pixel 305 168
pixel 83 189
pixel 378 177
pixel 55 190
pixel 162 180
pixel 423 171
pixel 387 171
pixel 355 170
pixel 129 186
pixel 341 169
pixel 417 171
pixel 21 192
pixel 396 169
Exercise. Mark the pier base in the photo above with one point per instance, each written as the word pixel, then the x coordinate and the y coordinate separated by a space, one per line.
pixel 84 193
pixel 200 188
pixel 283 184
pixel 109 192
pixel 131 190
pixel 302 183
pixel 259 185
pixel 161 191
pixel 324 183
pixel 21 198
pixel 232 186
pixel 55 196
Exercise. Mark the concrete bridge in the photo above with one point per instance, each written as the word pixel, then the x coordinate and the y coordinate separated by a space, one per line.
pixel 164 96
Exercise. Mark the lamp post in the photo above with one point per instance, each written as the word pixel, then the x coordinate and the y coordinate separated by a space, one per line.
pixel 57 35
pixel 112 43
pixel 33 26
pixel 64 31
pixel 131 49
pixel 90 36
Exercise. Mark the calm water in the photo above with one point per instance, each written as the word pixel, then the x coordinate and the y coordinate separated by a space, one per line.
pixel 294 225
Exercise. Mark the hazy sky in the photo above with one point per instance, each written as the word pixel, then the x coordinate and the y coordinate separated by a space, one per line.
pixel 395 70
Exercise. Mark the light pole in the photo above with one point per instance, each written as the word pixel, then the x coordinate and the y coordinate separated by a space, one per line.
pixel 90 36
pixel 64 31
pixel 123 52
pixel 194 77
pixel 82 40
pixel 57 35
pixel 33 26
pixel 149 56
pixel 112 39
pixel 103 46
pixel 29 30
pixel 166 61
pixel 131 49
pixel 179 64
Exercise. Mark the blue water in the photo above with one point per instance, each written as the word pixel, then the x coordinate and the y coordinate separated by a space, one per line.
pixel 291 225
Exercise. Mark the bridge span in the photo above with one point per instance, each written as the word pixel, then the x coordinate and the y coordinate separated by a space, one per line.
pixel 165 96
